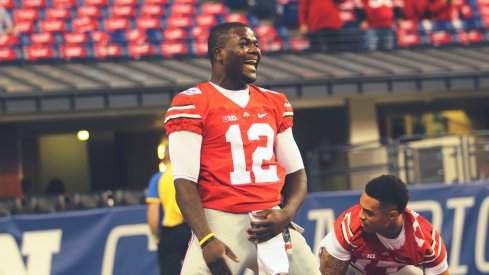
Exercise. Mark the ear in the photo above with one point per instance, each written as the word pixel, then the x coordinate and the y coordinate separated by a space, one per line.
pixel 218 54
pixel 393 214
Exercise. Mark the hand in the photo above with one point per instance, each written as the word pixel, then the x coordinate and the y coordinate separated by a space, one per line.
pixel 214 256
pixel 303 29
pixel 364 25
pixel 269 224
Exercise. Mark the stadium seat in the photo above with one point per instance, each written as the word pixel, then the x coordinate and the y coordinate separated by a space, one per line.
pixel 115 24
pixel 129 197
pixel 122 11
pixel 266 33
pixel 206 20
pixel 74 51
pixel 174 34
pixel 131 3
pixel 200 33
pixel 170 49
pixel 236 17
pixel 38 52
pixel 136 36
pixel 26 14
pixel 199 47
pixel 8 4
pixel 43 38
pixel 35 4
pixel 152 11
pixel 100 37
pixel 46 204
pixel 154 35
pixel 64 3
pixel 299 44
pixel 58 13
pixel 147 23
pixel 189 2
pixel 438 38
pixel 213 8
pixel 10 53
pixel 288 14
pixel 53 25
pixel 75 38
pixel 88 12
pixel 7 40
pixel 407 39
pixel 108 50
pixel 137 50
pixel 179 21
pixel 93 200
pixel 183 9
pixel 85 24
pixel 97 3
pixel 156 2
pixel 470 37
pixel 10 205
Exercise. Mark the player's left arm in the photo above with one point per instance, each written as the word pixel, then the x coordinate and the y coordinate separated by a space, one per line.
pixel 331 265
pixel 273 221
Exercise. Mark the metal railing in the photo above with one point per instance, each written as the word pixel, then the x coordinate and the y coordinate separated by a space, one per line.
pixel 447 158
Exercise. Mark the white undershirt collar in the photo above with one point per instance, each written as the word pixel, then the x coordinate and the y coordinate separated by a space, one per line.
pixel 240 97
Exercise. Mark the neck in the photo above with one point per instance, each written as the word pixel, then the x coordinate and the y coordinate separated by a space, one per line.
pixel 394 228
pixel 226 82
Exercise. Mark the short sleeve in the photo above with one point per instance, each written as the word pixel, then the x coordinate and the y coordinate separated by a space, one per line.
pixel 152 195
pixel 184 113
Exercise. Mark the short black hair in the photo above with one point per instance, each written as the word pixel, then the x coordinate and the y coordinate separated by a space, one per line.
pixel 218 34
pixel 389 189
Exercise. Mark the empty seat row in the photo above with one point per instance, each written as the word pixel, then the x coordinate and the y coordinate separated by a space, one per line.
pixel 39 4
pixel 133 50
pixel 78 201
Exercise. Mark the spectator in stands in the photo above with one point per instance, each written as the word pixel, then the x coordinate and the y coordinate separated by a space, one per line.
pixel 381 229
pixel 6 24
pixel 416 10
pixel 234 159
pixel 56 186
pixel 441 10
pixel 377 20
pixel 320 21
pixel 169 230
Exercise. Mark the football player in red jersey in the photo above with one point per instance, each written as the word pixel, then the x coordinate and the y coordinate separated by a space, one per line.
pixel 235 161
pixel 381 236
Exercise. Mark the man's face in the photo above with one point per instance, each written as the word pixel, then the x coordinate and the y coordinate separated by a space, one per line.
pixel 241 55
pixel 374 217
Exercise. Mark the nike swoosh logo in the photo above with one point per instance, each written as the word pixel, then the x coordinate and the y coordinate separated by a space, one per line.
pixel 262 115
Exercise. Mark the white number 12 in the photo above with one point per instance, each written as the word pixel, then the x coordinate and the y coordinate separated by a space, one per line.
pixel 240 175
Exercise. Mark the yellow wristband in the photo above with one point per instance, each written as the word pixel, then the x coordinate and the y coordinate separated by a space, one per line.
pixel 210 235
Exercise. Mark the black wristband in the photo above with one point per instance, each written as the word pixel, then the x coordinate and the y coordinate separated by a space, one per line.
pixel 207 241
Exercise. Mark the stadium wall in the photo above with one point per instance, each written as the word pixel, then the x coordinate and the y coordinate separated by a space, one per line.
pixel 117 240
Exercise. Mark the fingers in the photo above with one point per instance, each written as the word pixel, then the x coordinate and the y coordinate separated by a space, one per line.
pixel 231 255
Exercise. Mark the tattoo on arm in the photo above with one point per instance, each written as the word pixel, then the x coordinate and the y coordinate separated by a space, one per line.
pixel 329 265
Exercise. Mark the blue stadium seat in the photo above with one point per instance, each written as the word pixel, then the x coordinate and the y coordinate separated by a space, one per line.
pixel 288 14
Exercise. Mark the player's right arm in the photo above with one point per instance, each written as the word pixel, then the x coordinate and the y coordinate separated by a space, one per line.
pixel 330 265
pixel 183 124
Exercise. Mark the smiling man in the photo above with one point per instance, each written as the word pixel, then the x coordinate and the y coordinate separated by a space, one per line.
pixel 235 161
pixel 381 236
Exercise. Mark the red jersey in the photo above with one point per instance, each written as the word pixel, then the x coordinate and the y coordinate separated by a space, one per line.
pixel 379 13
pixel 422 247
pixel 239 171
pixel 415 9
pixel 320 14
pixel 442 10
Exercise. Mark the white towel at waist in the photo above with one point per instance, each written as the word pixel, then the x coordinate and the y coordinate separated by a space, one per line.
pixel 271 255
